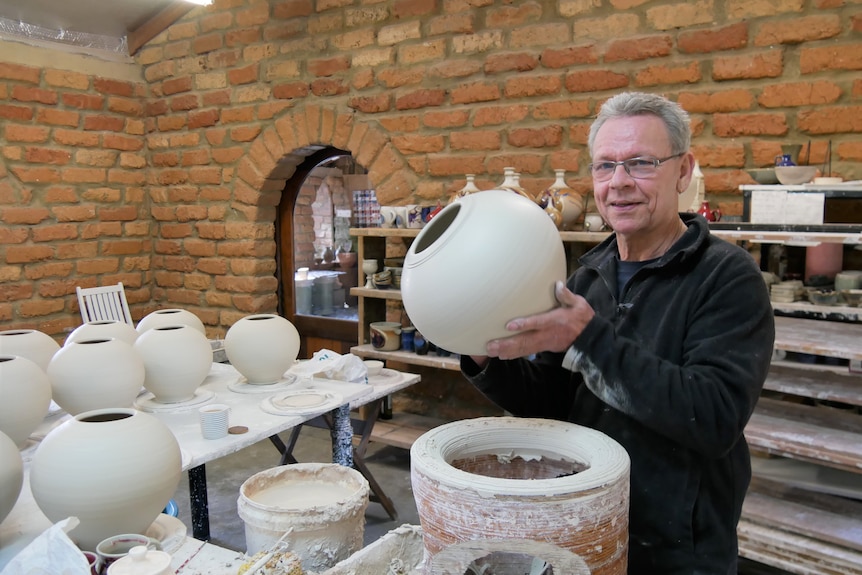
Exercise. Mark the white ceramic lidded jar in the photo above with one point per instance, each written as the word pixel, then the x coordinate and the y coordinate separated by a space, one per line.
pixel 142 561
pixel 172 316
pixel 95 373
pixel 114 469
pixel 11 475
pixel 30 343
pixel 262 347
pixel 26 393
pixel 177 359
pixel 491 257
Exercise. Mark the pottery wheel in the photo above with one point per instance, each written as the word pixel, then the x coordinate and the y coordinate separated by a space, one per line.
pixel 243 386
pixel 300 402
pixel 147 402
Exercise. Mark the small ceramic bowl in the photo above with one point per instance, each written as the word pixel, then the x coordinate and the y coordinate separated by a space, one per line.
pixel 765 176
pixel 851 297
pixel 823 297
pixel 794 175
pixel 374 366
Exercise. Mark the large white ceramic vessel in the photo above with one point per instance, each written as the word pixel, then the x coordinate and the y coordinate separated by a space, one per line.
pixel 95 373
pixel 11 475
pixel 104 329
pixel 114 469
pixel 26 393
pixel 262 347
pixel 30 343
pixel 171 316
pixel 177 359
pixel 482 261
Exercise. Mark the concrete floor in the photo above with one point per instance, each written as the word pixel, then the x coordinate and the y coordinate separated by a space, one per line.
pixel 389 465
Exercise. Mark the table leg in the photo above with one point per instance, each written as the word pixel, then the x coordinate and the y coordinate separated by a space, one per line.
pixel 199 503
pixel 341 433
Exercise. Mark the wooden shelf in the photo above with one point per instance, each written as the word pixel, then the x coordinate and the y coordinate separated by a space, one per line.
pixel 824 436
pixel 822 385
pixel 830 339
pixel 452 363
pixel 403 429
pixel 807 310
pixel 376 293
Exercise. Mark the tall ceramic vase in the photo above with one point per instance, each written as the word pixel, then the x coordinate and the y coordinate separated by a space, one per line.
pixel 11 475
pixel 262 347
pixel 103 329
pixel 26 393
pixel 177 359
pixel 172 316
pixel 482 261
pixel 30 343
pixel 95 373
pixel 114 469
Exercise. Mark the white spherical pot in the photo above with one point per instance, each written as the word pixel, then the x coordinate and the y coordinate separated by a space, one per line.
pixel 262 347
pixel 171 316
pixel 177 359
pixel 104 329
pixel 524 479
pixel 94 374
pixel 114 469
pixel 26 393
pixel 11 475
pixel 482 261
pixel 30 343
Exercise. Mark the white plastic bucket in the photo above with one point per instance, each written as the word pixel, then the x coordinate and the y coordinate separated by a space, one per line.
pixel 323 504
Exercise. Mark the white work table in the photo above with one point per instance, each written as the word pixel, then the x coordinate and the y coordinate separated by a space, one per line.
pixel 26 521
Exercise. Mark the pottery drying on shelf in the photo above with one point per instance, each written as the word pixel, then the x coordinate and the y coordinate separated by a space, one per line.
pixel 527 479
pixel 11 475
pixel 171 316
pixel 26 393
pixel 484 260
pixel 262 347
pixel 114 469
pixel 176 360
pixel 30 343
pixel 104 329
pixel 94 374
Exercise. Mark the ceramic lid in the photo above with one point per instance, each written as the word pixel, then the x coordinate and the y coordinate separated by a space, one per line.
pixel 142 561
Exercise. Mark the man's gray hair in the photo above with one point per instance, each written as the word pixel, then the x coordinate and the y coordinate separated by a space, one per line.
pixel 630 104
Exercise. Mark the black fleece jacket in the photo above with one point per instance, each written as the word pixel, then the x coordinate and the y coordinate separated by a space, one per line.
pixel 672 371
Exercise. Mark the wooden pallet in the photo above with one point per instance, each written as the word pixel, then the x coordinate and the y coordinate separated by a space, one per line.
pixel 403 429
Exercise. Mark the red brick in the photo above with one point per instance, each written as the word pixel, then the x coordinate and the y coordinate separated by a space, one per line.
pixel 394 78
pixel 520 87
pixel 475 140
pixel 288 9
pixel 245 75
pixel 831 120
pixel 24 216
pixel 496 115
pixel 562 109
pixel 47 156
pixel 242 37
pixel 76 138
pixel 720 155
pixel 245 133
pixel 184 103
pixel 732 37
pixel 113 87
pixel 446 119
pixel 8 112
pixel 712 102
pixel 639 48
pixel 19 133
pixel 454 69
pixel 323 67
pixel 595 81
pixel 475 92
pixel 749 66
pixel 415 144
pixel 28 254
pixel 798 30
pixel 84 101
pixel 57 232
pixel 371 104
pixel 119 142
pixel 799 94
pixel 290 90
pixel 546 137
pixel 733 125
pixel 420 99
pixel 19 73
pixel 83 175
pixel 657 75
pixel 570 56
pixel 104 123
pixel 501 63
pixel 832 57
pixel 32 94
pixel 207 43
pixel 57 117
pixel 329 87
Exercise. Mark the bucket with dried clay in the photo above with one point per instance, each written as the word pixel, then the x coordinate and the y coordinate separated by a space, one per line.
pixel 321 504
pixel 525 486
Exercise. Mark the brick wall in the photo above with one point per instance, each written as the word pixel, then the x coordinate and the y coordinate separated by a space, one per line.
pixel 170 183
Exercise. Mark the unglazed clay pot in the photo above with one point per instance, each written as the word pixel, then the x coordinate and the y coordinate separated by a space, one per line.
pixel 177 359
pixel 172 316
pixel 482 261
pixel 95 373
pixel 114 469
pixel 104 329
pixel 514 478
pixel 262 347
pixel 11 475
pixel 30 343
pixel 26 393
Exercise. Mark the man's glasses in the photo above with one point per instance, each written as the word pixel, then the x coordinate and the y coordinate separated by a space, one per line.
pixel 643 167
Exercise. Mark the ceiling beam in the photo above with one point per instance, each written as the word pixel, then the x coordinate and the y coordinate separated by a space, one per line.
pixel 156 25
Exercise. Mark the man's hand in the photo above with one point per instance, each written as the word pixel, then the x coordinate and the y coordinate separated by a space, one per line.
pixel 554 330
